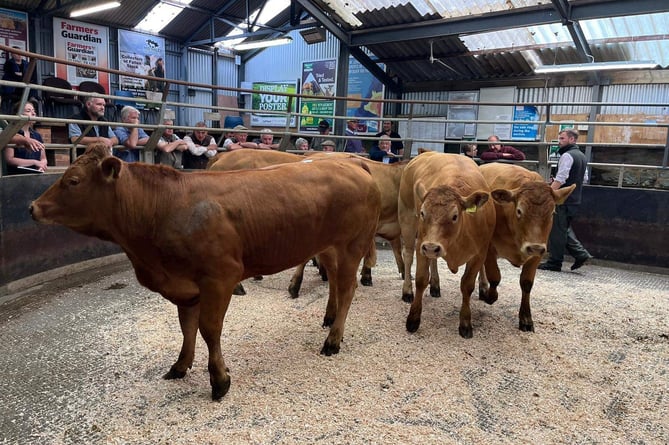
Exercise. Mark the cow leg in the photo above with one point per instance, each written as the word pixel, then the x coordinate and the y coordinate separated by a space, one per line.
pixel 296 281
pixel 408 248
pixel 368 262
pixel 329 265
pixel 188 320
pixel 467 285
pixel 214 300
pixel 492 276
pixel 396 245
pixel 527 275
pixel 345 284
pixel 435 288
pixel 422 278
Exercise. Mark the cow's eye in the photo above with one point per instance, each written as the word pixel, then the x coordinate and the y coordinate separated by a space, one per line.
pixel 72 180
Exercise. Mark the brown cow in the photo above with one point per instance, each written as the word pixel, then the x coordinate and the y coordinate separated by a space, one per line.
pixel 386 176
pixel 193 236
pixel 524 206
pixel 443 214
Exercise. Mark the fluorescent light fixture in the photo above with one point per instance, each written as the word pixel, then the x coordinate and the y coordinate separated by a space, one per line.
pixel 596 66
pixel 161 15
pixel 262 43
pixel 94 9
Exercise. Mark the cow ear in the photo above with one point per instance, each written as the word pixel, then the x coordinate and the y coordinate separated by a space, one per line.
pixel 111 168
pixel 502 196
pixel 474 201
pixel 562 194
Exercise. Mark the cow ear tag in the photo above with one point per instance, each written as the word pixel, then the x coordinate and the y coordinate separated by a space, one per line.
pixel 471 209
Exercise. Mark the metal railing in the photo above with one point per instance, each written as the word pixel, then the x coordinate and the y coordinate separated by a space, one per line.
pixel 159 107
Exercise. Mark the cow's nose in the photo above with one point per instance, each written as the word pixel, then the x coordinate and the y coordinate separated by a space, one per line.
pixel 30 209
pixel 431 250
pixel 535 249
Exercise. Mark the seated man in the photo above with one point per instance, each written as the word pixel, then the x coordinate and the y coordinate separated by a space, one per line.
pixel 497 151
pixel 238 140
pixel 201 147
pixel 328 145
pixel 382 152
pixel 170 147
pixel 301 144
pixel 130 137
pixel 98 130
pixel 267 140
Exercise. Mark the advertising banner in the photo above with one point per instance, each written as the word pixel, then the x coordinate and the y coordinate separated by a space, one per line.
pixel 141 54
pixel 83 43
pixel 318 80
pixel 265 102
pixel 525 132
pixel 13 30
pixel 363 85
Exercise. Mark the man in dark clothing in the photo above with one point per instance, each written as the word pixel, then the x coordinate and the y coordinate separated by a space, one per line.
pixel 397 147
pixel 201 147
pixel 572 169
pixel 497 151
pixel 97 131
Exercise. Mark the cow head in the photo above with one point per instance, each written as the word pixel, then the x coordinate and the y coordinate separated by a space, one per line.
pixel 528 212
pixel 442 215
pixel 82 197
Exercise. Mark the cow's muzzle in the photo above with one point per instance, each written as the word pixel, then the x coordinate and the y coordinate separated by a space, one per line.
pixel 431 250
pixel 534 249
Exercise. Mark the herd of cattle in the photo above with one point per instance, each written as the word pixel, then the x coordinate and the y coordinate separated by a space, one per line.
pixel 193 237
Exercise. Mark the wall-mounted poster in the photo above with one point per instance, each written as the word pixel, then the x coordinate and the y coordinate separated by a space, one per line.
pixel 13 30
pixel 82 43
pixel 264 101
pixel 525 132
pixel 465 112
pixel 141 54
pixel 362 84
pixel 319 81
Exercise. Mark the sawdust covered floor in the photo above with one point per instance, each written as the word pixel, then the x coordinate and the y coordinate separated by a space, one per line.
pixel 82 364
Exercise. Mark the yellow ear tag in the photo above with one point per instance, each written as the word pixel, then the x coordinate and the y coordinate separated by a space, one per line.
pixel 471 209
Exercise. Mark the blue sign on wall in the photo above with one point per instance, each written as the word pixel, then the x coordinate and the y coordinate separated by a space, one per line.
pixel 526 132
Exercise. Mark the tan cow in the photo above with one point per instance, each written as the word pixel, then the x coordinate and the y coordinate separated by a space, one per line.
pixel 524 206
pixel 193 236
pixel 386 176
pixel 443 213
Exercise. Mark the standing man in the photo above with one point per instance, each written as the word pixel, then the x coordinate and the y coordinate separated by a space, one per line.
pixel 572 169
pixel 170 147
pixel 98 130
pixel 353 145
pixel 201 147
pixel 397 147
pixel 130 137
pixel 497 151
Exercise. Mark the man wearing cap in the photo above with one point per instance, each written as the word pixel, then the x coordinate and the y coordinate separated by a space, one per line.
pixel 267 140
pixel 353 145
pixel 328 145
pixel 323 131
pixel 238 140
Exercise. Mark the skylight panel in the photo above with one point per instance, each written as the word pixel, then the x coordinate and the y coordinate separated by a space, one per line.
pixel 160 16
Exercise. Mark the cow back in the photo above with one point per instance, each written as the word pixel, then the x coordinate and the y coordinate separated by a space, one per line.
pixel 246 158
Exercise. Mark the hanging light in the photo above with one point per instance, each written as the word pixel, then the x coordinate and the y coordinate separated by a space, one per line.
pixel 94 9
pixel 596 66
pixel 255 44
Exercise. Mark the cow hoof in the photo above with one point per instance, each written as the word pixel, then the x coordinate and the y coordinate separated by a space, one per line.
pixel 173 373
pixel 293 293
pixel 239 290
pixel 435 292
pixel 407 298
pixel 366 281
pixel 329 349
pixel 466 331
pixel 219 389
pixel 327 321
pixel 489 297
pixel 324 274
pixel 257 278
pixel 412 324
pixel 526 327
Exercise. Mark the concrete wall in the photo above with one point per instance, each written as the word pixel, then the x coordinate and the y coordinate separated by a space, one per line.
pixel 622 225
